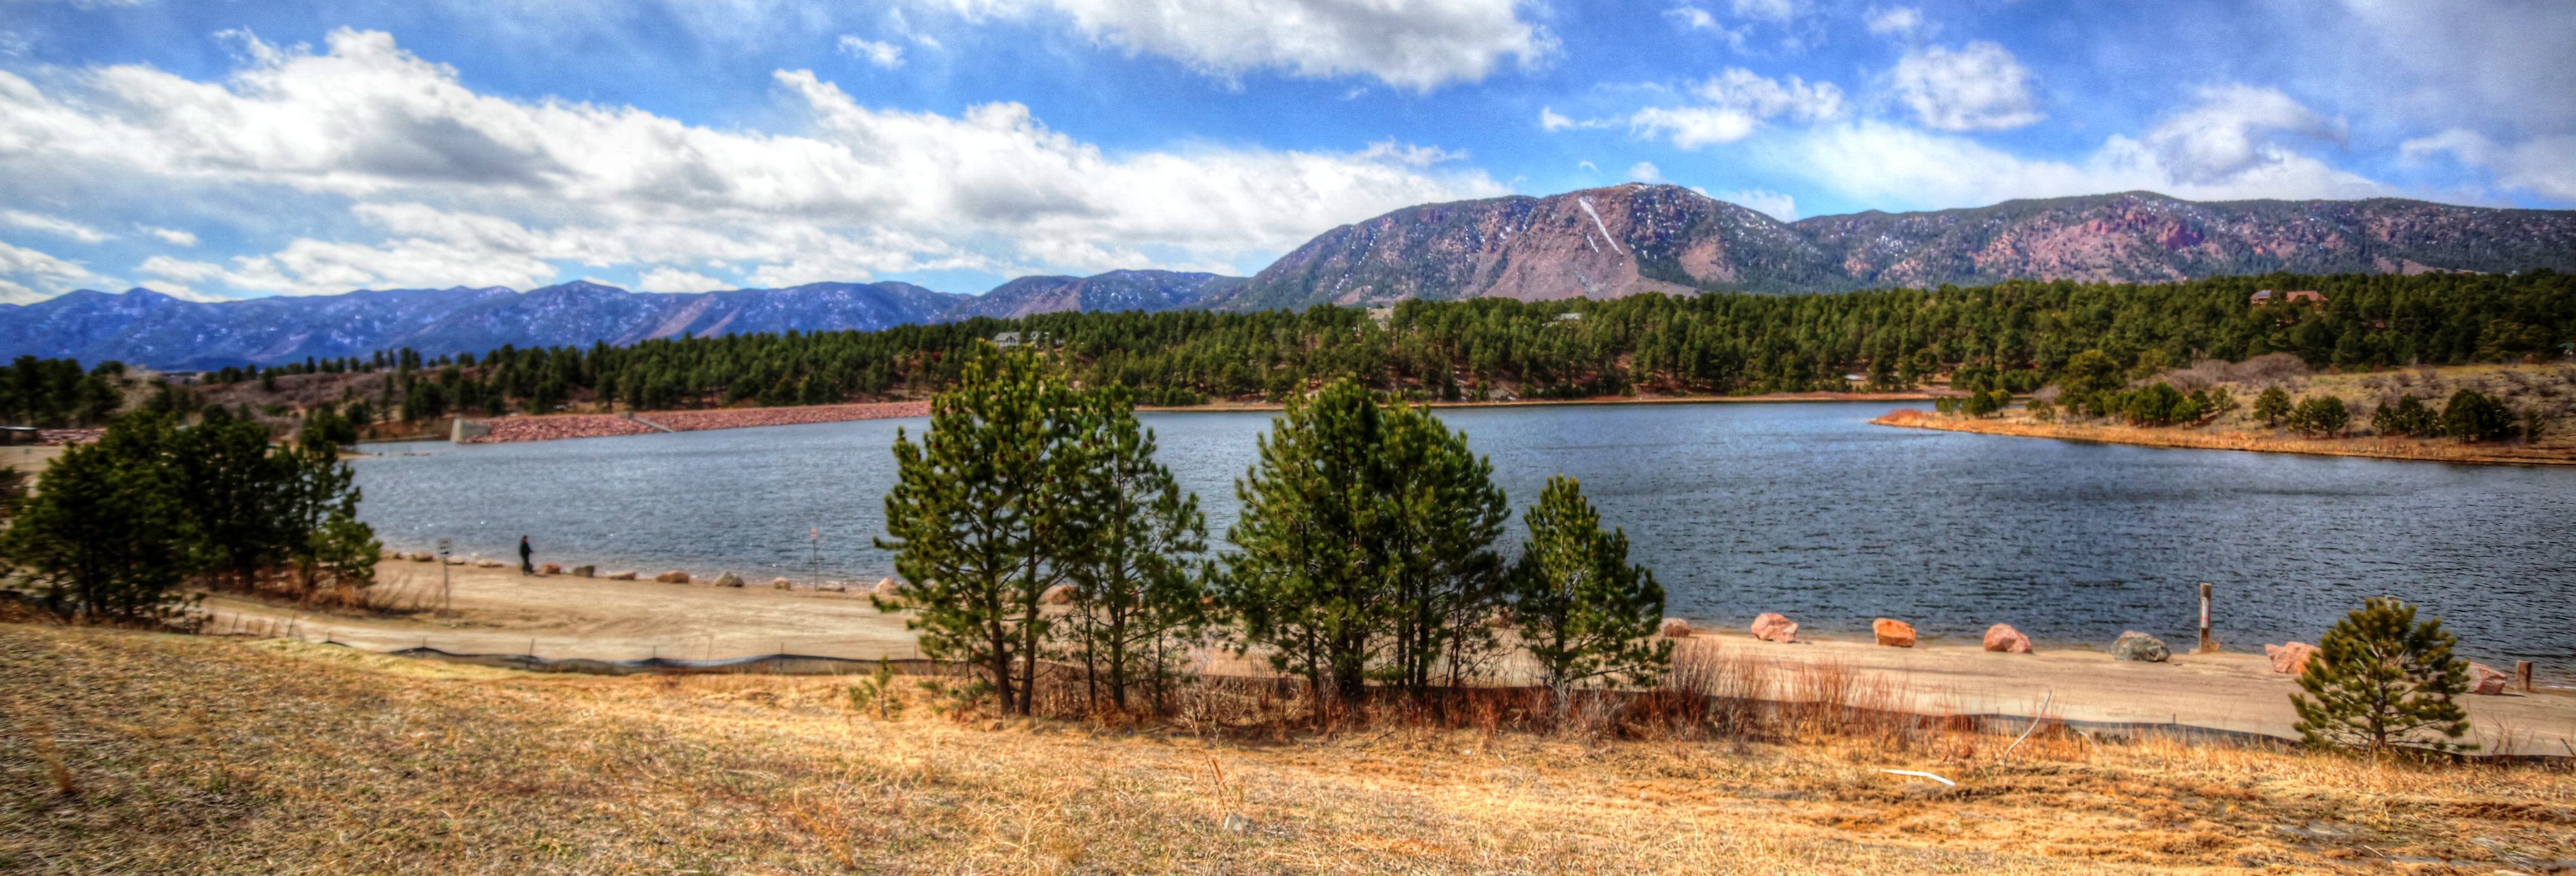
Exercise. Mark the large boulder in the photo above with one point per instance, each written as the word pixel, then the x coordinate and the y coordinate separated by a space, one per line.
pixel 1061 594
pixel 488 564
pixel 1772 626
pixel 2485 681
pixel 422 556
pixel 2003 638
pixel 782 583
pixel 674 576
pixel 1674 628
pixel 628 575
pixel 456 561
pixel 728 579
pixel 550 569
pixel 1893 633
pixel 585 571
pixel 886 589
pixel 2290 658
pixel 2134 645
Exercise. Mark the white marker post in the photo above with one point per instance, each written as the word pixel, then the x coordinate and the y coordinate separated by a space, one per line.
pixel 2206 644
pixel 446 593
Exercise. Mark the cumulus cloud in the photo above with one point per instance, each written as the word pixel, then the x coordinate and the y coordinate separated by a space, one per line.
pixel 882 54
pixel 54 225
pixel 1777 204
pixel 2544 164
pixel 2235 129
pixel 1415 44
pixel 1770 10
pixel 456 186
pixel 1900 167
pixel 1978 87
pixel 172 236
pixel 1645 172
pixel 1550 120
pixel 1736 102
pixel 670 279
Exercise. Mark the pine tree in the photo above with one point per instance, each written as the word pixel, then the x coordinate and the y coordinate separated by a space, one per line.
pixel 1582 611
pixel 2381 681
pixel 2272 406
pixel 1137 598
pixel 976 518
pixel 104 538
pixel 1365 544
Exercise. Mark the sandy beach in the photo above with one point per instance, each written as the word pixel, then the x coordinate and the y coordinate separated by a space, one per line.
pixel 497 611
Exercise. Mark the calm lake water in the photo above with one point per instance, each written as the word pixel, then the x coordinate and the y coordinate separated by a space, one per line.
pixel 1803 509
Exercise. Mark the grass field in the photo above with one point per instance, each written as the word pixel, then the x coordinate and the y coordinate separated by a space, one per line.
pixel 149 753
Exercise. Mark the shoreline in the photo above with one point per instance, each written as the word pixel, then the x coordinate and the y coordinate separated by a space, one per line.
pixel 556 617
pixel 2188 438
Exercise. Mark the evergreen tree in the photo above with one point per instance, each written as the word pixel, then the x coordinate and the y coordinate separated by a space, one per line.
pixel 104 537
pixel 233 490
pixel 2405 417
pixel 2471 415
pixel 977 519
pixel 1137 599
pixel 1365 544
pixel 2272 407
pixel 2381 681
pixel 1582 611
pixel 326 545
pixel 2321 416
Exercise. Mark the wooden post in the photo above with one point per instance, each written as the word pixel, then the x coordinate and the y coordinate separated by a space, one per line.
pixel 2207 645
pixel 2522 674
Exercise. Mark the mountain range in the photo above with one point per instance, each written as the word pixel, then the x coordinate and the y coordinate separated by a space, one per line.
pixel 1605 242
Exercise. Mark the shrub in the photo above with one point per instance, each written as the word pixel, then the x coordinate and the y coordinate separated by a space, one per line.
pixel 2321 416
pixel 2407 416
pixel 2381 681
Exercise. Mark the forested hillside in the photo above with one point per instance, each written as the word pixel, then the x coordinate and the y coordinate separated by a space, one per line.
pixel 1494 348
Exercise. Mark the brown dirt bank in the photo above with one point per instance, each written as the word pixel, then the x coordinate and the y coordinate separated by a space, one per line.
pixel 499 612
pixel 558 426
pixel 2186 437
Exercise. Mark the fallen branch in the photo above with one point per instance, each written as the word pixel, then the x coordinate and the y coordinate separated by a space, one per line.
pixel 2034 725
pixel 1924 775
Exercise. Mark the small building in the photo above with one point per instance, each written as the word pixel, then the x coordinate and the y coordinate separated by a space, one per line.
pixel 2260 298
pixel 1569 316
pixel 2310 296
pixel 1007 339
pixel 1381 315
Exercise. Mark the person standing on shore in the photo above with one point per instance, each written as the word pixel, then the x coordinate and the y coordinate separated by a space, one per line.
pixel 525 553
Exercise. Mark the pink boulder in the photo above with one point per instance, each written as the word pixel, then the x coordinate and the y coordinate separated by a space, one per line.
pixel 2290 658
pixel 1675 628
pixel 674 576
pixel 1893 633
pixel 1061 594
pixel 2002 637
pixel 2485 681
pixel 550 569
pixel 886 589
pixel 1772 626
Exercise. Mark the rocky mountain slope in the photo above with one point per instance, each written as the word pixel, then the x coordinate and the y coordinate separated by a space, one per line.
pixel 1603 242
pixel 1637 238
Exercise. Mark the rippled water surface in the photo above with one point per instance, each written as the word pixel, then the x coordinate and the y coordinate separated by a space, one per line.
pixel 1803 509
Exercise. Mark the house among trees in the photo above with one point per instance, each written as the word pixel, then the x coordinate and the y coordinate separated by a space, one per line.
pixel 2260 298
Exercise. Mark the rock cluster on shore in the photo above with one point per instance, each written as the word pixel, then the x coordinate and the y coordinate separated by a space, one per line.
pixel 2005 639
pixel 1892 632
pixel 1772 626
pixel 2134 645
pixel 2290 658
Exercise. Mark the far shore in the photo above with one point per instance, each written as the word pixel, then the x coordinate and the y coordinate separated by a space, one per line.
pixel 2197 439
pixel 498 611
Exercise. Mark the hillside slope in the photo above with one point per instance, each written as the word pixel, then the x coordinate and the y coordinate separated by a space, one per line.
pixel 1637 238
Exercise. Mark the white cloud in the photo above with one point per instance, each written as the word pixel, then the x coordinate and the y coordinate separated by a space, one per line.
pixel 54 225
pixel 669 279
pixel 2545 164
pixel 1692 18
pixel 1900 22
pixel 1978 87
pixel 1645 172
pixel 1737 102
pixel 2489 63
pixel 464 187
pixel 1770 10
pixel 2235 129
pixel 28 275
pixel 1897 167
pixel 1777 205
pixel 1416 44
pixel 882 54
pixel 172 236
pixel 1549 120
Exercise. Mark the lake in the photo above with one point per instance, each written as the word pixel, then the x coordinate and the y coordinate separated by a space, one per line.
pixel 1799 508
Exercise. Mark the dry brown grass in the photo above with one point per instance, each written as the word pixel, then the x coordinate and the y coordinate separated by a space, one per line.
pixel 2548 388
pixel 196 755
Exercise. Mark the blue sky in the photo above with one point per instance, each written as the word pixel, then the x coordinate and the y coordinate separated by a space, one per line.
pixel 237 149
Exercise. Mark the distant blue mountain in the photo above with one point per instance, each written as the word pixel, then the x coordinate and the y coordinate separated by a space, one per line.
pixel 147 328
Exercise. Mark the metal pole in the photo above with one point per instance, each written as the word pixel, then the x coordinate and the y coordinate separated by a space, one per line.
pixel 2206 644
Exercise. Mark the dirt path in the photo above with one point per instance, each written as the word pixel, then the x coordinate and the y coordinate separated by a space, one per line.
pixel 499 612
